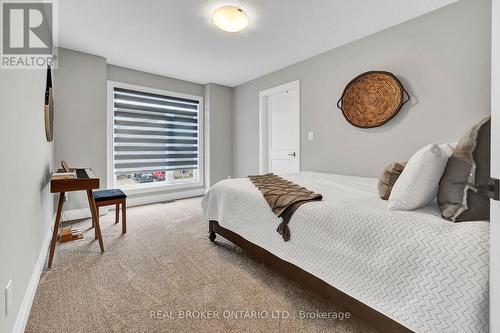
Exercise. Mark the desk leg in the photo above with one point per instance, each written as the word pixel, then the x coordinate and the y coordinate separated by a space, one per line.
pixel 95 217
pixel 56 229
pixel 124 216
pixel 117 213
pixel 92 214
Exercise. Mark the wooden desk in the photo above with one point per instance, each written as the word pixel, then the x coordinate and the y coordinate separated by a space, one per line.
pixel 85 181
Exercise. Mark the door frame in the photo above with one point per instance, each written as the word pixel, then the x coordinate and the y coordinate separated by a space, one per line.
pixel 495 168
pixel 263 121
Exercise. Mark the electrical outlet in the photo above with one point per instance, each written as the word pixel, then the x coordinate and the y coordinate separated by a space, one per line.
pixel 66 196
pixel 310 136
pixel 8 297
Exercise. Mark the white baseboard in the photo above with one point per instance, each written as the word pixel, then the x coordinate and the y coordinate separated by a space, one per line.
pixel 29 295
pixel 80 214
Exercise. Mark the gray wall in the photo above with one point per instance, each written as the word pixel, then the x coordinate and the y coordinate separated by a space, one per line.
pixel 80 126
pixel 218 108
pixel 442 58
pixel 26 204
pixel 122 74
pixel 81 130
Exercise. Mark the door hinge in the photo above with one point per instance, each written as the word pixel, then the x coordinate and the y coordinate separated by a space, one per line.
pixel 490 190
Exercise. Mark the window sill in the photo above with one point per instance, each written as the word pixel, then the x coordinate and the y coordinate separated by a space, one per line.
pixel 148 189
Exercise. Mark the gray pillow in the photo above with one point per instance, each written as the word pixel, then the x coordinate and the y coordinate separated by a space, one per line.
pixel 388 178
pixel 469 163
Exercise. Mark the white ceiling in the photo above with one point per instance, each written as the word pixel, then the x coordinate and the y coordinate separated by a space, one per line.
pixel 176 37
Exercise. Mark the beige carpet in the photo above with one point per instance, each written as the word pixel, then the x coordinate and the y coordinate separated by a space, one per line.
pixel 166 265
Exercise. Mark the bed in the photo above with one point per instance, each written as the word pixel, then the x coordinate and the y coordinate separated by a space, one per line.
pixel 398 271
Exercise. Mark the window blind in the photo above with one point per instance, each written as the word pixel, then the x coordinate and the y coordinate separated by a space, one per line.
pixel 154 132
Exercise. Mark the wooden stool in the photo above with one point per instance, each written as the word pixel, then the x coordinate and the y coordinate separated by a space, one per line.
pixel 113 197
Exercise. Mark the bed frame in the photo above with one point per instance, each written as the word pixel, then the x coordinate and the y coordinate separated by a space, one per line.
pixel 358 309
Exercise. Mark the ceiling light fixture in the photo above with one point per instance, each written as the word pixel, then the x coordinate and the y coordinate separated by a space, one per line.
pixel 230 19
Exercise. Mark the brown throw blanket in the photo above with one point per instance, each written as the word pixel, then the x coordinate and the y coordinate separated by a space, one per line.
pixel 284 197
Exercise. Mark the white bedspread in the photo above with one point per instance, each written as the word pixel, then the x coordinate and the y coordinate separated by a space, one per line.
pixel 416 268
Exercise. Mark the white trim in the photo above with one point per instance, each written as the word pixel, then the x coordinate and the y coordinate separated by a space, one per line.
pixel 109 134
pixel 80 214
pixel 207 136
pixel 159 187
pixel 263 156
pixel 495 168
pixel 29 295
pixel 151 199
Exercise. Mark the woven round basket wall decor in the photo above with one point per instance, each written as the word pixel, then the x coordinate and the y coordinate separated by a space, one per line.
pixel 372 99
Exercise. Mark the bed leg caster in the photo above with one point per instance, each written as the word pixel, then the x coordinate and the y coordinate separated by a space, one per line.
pixel 212 236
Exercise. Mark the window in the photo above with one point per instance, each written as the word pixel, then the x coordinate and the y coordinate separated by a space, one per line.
pixel 156 138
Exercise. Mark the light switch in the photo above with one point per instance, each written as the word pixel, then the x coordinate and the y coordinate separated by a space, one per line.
pixel 310 136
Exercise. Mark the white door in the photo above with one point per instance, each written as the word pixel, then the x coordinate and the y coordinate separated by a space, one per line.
pixel 280 129
pixel 495 170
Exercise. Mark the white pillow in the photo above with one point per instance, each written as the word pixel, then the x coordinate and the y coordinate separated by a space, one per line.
pixel 418 184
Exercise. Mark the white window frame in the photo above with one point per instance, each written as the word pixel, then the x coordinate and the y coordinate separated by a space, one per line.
pixel 154 187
